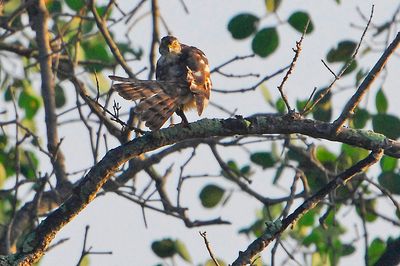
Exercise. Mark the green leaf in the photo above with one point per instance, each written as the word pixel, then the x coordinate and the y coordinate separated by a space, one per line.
pixel 280 106
pixel 381 102
pixel 360 75
pixel 300 104
pixel 355 154
pixel 350 68
pixel 263 159
pixel 87 26
pixel 308 219
pixel 164 248
pixel 324 155
pixel 85 261
pixel 342 52
pixel 59 96
pixel 233 167
pixel 390 181
pixel 360 118
pixel 210 262
pixel 75 5
pixel 319 259
pixel 182 251
pixel 3 174
pixel 368 215
pixel 272 212
pixel 3 142
pixel 323 110
pixel 54 6
pixel 266 94
pixel 347 249
pixel 96 50
pixel 386 124
pixel 30 102
pixel 375 250
pixel 298 20
pixel 272 5
pixel 246 171
pixel 126 48
pixel 28 164
pixel 211 195
pixel 102 11
pixel 388 164
pixel 243 25
pixel 265 42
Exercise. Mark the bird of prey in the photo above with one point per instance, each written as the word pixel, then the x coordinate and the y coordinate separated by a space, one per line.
pixel 182 83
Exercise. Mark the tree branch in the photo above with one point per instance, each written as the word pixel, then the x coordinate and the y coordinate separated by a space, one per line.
pixel 37 242
pixel 47 88
pixel 348 110
pixel 262 242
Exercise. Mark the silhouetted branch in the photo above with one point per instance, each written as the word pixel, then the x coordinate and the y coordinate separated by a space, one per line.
pixel 276 228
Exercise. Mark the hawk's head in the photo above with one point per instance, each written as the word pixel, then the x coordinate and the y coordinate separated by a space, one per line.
pixel 170 44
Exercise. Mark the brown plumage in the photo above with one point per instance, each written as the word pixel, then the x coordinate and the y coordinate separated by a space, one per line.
pixel 182 82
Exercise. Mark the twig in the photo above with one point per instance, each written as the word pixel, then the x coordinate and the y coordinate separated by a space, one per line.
pixel 252 88
pixel 262 242
pixel 101 24
pixel 204 236
pixel 297 51
pixel 343 70
pixel 155 37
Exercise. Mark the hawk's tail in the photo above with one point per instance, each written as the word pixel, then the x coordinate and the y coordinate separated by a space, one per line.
pixel 155 105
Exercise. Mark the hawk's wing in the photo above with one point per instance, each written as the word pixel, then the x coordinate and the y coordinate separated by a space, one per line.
pixel 198 75
pixel 158 99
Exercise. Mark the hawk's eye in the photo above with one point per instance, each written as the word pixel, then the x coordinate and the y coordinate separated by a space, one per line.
pixel 175 44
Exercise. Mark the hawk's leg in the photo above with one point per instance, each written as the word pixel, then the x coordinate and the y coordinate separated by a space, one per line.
pixel 183 117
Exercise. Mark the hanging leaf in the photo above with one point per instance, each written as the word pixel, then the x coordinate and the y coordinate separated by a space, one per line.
pixel 164 248
pixel 361 73
pixel 342 52
pixel 388 164
pixel 182 251
pixel 350 68
pixel 347 249
pixel 375 250
pixel 211 195
pixel 243 25
pixel 388 125
pixel 323 110
pixel 265 42
pixel 75 5
pixel 381 102
pixel 60 96
pixel 369 216
pixel 298 20
pixel 280 106
pixel 210 262
pixel 324 155
pixel 272 5
pixel 54 6
pixel 30 102
pixel 263 159
pixel 360 118
pixel 390 181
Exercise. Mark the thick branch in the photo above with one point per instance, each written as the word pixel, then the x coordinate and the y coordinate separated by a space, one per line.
pixel 48 94
pixel 37 242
